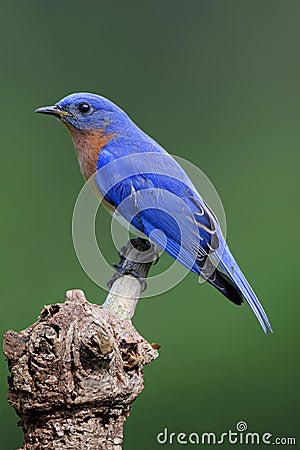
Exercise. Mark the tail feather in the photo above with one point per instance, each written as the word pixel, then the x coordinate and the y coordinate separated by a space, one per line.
pixel 226 287
pixel 233 271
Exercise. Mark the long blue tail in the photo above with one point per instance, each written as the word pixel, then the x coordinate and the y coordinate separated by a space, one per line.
pixel 235 274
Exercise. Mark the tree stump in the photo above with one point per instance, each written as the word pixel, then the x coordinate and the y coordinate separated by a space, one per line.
pixel 77 370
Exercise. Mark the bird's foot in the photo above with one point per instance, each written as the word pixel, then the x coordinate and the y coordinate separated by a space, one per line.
pixel 134 256
pixel 128 269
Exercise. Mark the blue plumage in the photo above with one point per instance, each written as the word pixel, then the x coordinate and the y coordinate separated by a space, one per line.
pixel 152 192
pixel 152 213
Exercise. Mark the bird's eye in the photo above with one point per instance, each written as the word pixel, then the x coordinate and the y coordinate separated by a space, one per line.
pixel 84 108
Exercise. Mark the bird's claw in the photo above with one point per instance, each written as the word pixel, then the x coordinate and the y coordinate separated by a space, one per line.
pixel 127 270
pixel 155 261
pixel 147 253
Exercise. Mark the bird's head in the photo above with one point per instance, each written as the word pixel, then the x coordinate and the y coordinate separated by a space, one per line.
pixel 93 122
pixel 86 112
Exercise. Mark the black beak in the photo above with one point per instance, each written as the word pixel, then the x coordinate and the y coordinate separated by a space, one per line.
pixel 53 111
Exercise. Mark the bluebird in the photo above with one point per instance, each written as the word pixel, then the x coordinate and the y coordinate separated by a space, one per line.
pixel 152 192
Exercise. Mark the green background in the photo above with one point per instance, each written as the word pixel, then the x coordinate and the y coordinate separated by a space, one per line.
pixel 216 82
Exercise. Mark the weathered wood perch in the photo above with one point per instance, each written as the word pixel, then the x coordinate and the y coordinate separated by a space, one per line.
pixel 77 370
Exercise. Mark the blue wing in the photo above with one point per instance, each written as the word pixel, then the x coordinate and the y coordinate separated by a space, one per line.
pixel 153 199
pixel 152 202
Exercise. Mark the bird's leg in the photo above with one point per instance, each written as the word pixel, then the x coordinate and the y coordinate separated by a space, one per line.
pixel 135 259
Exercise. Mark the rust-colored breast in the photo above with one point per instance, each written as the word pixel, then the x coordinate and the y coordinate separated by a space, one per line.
pixel 88 146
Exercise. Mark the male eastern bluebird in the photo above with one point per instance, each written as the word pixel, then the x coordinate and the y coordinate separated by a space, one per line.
pixel 152 192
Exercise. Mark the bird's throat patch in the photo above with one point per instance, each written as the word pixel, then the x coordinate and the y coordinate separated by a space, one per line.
pixel 88 146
